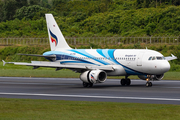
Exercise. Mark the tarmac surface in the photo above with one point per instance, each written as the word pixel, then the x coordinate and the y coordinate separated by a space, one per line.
pixel 162 92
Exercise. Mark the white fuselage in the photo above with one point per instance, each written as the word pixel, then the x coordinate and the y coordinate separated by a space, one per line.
pixel 124 61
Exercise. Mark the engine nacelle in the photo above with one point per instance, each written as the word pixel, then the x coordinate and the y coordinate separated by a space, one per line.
pixel 93 76
pixel 152 77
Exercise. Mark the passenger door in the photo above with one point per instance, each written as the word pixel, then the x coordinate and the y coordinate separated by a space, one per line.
pixel 139 58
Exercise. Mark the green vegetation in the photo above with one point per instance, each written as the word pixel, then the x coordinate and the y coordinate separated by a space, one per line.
pixel 68 110
pixel 91 18
pixel 10 53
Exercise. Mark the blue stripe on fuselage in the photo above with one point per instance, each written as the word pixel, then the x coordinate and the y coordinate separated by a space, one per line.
pixel 84 53
pixel 62 55
pixel 106 53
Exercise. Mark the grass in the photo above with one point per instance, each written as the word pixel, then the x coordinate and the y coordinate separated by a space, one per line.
pixel 10 70
pixel 172 76
pixel 38 73
pixel 20 109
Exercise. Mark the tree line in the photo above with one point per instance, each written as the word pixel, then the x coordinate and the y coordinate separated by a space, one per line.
pixel 11 9
pixel 91 17
pixel 156 3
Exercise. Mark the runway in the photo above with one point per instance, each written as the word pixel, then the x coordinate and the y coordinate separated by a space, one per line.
pixel 162 92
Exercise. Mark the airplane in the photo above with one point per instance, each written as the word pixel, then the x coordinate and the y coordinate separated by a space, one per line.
pixel 96 64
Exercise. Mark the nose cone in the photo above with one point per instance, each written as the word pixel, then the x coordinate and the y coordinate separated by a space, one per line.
pixel 165 66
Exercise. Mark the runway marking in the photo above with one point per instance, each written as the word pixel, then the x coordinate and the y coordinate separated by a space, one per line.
pixel 86 96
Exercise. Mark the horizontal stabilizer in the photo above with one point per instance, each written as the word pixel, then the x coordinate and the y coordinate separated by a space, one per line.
pixel 50 56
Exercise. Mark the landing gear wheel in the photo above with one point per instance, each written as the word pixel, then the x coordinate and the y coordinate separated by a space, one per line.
pixel 90 84
pixel 128 82
pixel 85 84
pixel 149 84
pixel 123 82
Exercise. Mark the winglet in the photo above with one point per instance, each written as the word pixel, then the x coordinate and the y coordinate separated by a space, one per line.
pixel 173 55
pixel 4 63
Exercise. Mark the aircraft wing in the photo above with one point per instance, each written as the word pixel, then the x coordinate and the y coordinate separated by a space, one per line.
pixel 172 57
pixel 37 64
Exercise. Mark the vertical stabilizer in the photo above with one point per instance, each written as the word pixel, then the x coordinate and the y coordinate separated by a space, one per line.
pixel 56 38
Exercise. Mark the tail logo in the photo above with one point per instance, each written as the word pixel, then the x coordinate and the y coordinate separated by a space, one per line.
pixel 53 38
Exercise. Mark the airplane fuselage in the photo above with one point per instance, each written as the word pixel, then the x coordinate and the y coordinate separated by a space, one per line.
pixel 125 61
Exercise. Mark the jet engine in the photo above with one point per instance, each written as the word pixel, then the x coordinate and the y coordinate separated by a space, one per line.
pixel 93 76
pixel 152 77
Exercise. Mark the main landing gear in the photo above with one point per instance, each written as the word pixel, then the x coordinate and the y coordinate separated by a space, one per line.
pixel 125 81
pixel 87 84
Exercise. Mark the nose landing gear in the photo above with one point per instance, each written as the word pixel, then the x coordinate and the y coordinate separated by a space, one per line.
pixel 148 84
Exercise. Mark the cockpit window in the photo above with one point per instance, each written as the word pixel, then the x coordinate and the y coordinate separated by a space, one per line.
pixel 156 58
pixel 153 58
pixel 160 58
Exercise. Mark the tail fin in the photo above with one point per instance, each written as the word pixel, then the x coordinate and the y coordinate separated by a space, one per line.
pixel 56 38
